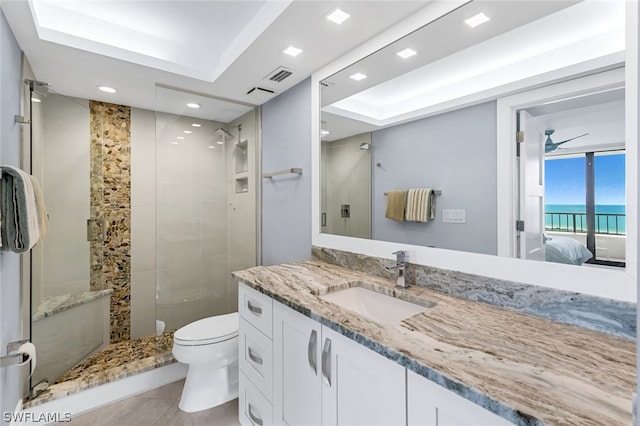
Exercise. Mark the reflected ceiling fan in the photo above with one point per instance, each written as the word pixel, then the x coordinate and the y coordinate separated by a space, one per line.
pixel 550 146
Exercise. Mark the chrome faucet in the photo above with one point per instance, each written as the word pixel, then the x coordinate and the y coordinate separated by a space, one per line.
pixel 402 261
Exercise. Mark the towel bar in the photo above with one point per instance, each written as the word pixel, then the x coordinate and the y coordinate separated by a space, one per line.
pixel 292 170
pixel 435 191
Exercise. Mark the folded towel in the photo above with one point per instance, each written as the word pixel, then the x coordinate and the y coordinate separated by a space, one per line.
pixel 20 228
pixel 421 205
pixel 396 202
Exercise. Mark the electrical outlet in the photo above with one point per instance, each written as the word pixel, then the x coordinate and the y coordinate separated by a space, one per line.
pixel 454 216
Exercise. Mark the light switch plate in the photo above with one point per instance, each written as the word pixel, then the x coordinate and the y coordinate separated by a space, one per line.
pixel 454 216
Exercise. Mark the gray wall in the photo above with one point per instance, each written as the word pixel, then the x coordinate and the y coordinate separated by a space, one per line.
pixel 10 297
pixel 286 199
pixel 454 152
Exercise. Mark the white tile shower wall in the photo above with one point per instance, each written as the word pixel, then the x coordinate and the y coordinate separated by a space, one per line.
pixel 191 220
pixel 64 142
pixel 143 230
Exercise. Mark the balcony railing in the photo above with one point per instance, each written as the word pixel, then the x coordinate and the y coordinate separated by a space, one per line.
pixel 606 223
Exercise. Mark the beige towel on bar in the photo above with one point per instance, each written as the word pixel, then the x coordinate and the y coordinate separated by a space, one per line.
pixel 421 205
pixel 396 202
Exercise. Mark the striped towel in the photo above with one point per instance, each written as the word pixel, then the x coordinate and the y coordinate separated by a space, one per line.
pixel 21 209
pixel 421 205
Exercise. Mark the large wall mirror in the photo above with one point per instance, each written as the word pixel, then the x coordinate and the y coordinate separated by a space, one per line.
pixel 509 118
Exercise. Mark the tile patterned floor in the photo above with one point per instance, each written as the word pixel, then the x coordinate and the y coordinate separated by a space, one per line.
pixel 158 407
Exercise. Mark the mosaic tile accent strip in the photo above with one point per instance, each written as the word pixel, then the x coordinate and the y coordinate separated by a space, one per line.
pixel 111 210
pixel 592 312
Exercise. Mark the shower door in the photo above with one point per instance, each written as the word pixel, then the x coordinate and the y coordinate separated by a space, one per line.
pixel 70 311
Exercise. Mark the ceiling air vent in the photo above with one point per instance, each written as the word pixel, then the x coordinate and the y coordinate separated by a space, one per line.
pixel 260 90
pixel 279 74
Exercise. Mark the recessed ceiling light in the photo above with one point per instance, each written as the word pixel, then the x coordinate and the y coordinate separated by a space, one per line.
pixel 358 76
pixel 174 143
pixel 476 20
pixel 188 131
pixel 193 105
pixel 106 89
pixel 36 100
pixel 197 125
pixel 406 53
pixel 212 146
pixel 179 137
pixel 220 143
pixel 338 16
pixel 292 51
pixel 324 132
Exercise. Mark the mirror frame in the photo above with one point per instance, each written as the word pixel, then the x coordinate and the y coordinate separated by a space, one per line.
pixel 603 282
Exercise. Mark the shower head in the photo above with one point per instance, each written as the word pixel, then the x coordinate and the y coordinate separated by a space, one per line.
pixel 365 146
pixel 223 132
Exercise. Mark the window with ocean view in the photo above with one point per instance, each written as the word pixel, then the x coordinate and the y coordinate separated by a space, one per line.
pixel 567 195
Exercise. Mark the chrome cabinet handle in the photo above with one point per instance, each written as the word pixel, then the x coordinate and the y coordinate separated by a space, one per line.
pixel 311 351
pixel 255 358
pixel 254 419
pixel 253 308
pixel 326 361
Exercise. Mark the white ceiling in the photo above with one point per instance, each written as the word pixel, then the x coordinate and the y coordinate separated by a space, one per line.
pixel 217 48
pixel 523 39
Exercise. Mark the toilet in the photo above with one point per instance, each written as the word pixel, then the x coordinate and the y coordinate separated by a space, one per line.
pixel 210 349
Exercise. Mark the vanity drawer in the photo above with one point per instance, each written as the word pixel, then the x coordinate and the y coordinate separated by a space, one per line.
pixel 256 357
pixel 253 408
pixel 256 308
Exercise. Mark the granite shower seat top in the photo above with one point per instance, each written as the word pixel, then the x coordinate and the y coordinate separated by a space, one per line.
pixel 529 370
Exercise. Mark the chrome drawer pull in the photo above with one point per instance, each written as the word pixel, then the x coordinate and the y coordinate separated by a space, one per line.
pixel 254 419
pixel 311 352
pixel 255 358
pixel 326 361
pixel 253 308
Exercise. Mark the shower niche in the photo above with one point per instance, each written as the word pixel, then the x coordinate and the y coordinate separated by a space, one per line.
pixel 241 161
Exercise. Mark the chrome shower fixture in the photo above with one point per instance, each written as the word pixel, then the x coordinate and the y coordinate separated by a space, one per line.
pixel 365 146
pixel 223 132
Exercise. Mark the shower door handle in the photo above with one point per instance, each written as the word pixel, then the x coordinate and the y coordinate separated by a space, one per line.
pixel 96 230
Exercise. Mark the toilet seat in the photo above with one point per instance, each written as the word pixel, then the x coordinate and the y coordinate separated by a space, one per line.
pixel 208 331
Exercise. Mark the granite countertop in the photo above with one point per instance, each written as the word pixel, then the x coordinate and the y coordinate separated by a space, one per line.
pixel 529 370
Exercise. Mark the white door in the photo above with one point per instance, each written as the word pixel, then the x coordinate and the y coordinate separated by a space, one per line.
pixel 296 369
pixel 531 188
pixel 359 386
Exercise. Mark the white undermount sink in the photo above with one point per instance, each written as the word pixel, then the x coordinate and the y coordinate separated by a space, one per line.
pixel 376 306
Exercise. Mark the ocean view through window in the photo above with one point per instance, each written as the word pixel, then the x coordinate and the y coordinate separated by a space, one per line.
pixel 566 194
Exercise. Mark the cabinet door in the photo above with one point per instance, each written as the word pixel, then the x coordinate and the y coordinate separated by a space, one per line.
pixel 359 386
pixel 296 370
pixel 429 404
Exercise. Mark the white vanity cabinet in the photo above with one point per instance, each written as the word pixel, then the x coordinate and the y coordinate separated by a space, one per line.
pixel 296 372
pixel 429 404
pixel 322 377
pixel 255 357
